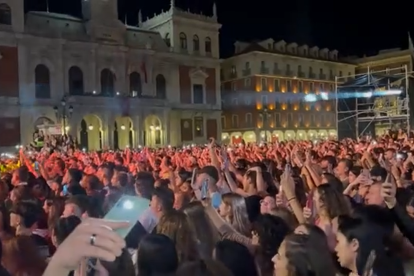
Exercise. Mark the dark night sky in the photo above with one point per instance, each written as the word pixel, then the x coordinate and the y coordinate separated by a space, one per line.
pixel 349 26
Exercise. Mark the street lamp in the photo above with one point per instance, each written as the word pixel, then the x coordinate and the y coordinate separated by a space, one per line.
pixel 265 116
pixel 63 114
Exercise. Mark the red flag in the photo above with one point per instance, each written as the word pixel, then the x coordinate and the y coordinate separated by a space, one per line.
pixel 144 71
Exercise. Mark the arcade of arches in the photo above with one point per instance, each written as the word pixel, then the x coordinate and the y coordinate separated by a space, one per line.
pixel 122 134
pixel 256 136
pixel 98 129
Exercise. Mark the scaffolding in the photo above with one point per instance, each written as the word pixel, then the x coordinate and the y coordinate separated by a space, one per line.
pixel 372 102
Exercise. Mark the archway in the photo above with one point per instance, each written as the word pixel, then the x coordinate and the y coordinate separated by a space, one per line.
pixel 249 137
pixel 278 135
pixel 301 135
pixel 236 138
pixel 123 133
pixel 153 131
pixel 90 132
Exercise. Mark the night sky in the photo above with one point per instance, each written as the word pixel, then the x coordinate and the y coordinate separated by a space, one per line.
pixel 349 26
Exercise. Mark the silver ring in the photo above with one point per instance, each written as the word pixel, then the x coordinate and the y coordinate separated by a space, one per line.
pixel 92 239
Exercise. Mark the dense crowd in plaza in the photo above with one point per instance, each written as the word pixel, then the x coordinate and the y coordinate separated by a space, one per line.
pixel 303 208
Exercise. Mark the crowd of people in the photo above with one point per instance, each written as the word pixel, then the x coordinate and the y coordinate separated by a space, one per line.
pixel 286 208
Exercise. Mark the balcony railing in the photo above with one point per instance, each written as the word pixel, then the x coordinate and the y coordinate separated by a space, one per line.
pixel 301 74
pixel 322 76
pixel 277 71
pixel 312 76
pixel 247 72
pixel 289 73
pixel 264 71
pixel 233 75
pixel 331 77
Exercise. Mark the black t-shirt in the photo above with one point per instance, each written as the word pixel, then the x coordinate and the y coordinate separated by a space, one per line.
pixel 42 245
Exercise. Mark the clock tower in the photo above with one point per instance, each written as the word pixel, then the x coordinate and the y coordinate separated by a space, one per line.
pixel 102 21
pixel 105 11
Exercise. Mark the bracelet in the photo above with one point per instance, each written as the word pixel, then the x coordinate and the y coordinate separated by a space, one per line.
pixel 289 200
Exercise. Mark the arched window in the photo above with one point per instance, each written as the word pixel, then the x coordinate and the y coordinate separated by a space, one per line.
pixel 196 44
pixel 207 45
pixel 107 83
pixel 42 82
pixel 5 15
pixel 183 41
pixel 161 87
pixel 135 85
pixel 167 39
pixel 76 81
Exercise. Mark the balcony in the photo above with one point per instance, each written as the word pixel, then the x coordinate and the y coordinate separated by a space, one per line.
pixel 264 71
pixel 247 72
pixel 322 76
pixel 331 77
pixel 301 74
pixel 289 73
pixel 277 71
pixel 233 75
pixel 312 75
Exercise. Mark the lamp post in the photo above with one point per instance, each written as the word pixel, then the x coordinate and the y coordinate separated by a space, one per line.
pixel 63 113
pixel 265 115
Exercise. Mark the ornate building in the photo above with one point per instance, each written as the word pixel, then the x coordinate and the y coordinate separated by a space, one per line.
pixel 269 90
pixel 105 82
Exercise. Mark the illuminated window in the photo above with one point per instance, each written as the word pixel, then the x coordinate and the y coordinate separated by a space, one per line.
pixel 199 126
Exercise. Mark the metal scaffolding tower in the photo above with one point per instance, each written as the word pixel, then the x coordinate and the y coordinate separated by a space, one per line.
pixel 372 102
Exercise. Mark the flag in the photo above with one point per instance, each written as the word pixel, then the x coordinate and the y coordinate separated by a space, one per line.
pixel 144 71
pixel 410 43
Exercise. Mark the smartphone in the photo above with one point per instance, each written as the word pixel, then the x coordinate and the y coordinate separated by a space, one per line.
pixel 36 166
pixel 369 264
pixel 128 208
pixel 204 189
pixel 193 177
pixel 90 269
pixel 309 201
pixel 65 190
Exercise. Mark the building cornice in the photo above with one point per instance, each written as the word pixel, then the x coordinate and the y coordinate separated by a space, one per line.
pixel 253 53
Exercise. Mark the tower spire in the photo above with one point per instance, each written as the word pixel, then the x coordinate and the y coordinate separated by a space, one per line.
pixel 139 18
pixel 126 20
pixel 47 5
pixel 214 10
pixel 172 4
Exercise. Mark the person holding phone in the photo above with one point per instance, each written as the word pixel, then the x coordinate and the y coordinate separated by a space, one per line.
pixel 92 239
